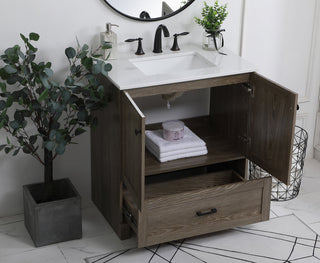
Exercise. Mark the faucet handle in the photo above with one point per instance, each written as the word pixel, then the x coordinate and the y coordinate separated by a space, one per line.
pixel 139 50
pixel 175 46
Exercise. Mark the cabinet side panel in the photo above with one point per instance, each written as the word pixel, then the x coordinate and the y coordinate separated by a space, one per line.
pixel 272 120
pixel 106 161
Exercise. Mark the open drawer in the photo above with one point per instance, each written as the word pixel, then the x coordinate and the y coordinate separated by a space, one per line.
pixel 197 204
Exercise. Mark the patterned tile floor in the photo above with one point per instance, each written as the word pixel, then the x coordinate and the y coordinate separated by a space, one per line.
pixel 99 239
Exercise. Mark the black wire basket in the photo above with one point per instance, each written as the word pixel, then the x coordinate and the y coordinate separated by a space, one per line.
pixel 279 190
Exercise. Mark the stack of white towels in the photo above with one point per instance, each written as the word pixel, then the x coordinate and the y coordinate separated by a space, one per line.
pixel 189 146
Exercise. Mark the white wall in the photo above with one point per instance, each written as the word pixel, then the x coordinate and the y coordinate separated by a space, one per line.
pixel 58 23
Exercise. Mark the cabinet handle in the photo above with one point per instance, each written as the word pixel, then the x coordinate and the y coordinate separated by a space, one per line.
pixel 211 211
pixel 136 131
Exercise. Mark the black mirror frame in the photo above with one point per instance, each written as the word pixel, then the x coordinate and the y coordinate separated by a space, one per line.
pixel 151 19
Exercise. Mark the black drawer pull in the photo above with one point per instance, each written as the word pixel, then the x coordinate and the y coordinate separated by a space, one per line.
pixel 211 211
pixel 136 131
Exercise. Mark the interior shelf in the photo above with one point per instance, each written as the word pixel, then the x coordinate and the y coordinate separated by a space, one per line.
pixel 219 149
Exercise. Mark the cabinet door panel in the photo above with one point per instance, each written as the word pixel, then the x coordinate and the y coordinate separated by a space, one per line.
pixel 272 120
pixel 133 127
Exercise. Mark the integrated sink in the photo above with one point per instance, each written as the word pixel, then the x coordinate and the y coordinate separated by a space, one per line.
pixel 171 64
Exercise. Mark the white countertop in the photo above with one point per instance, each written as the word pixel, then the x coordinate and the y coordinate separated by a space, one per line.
pixel 125 75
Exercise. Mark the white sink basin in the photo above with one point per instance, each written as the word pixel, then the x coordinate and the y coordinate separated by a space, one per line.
pixel 171 64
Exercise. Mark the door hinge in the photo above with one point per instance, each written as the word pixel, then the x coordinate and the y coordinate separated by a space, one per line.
pixel 250 89
pixel 244 139
pixel 129 216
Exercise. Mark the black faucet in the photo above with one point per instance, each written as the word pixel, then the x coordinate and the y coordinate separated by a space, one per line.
pixel 157 47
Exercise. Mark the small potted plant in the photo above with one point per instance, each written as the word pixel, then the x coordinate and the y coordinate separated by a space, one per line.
pixel 212 19
pixel 43 117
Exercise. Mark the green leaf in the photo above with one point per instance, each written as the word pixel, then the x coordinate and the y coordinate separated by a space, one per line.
pixel 21 55
pixel 48 72
pixel 82 115
pixel 87 62
pixel 30 58
pixel 34 36
pixel 69 81
pixel 44 79
pixel 26 149
pixel 79 131
pixel 31 47
pixel 12 79
pixel 9 102
pixel 96 69
pixel 2 123
pixel 100 89
pixel 107 67
pixel 14 125
pixel 85 47
pixel 23 38
pixel 57 107
pixel 18 116
pixel 106 45
pixel 2 146
pixel 3 87
pixel 7 149
pixel 49 145
pixel 44 95
pixel 52 134
pixel 8 141
pixel 3 105
pixel 10 69
pixel 16 152
pixel 60 149
pixel 70 52
pixel 33 139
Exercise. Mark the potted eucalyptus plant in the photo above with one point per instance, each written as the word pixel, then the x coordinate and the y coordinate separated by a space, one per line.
pixel 42 117
pixel 211 21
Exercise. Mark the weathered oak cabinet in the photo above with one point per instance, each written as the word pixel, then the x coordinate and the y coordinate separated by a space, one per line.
pixel 250 118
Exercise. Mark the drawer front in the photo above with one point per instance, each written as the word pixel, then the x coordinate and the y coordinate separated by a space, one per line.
pixel 199 212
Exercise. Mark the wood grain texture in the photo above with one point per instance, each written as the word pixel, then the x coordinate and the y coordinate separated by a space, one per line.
pixel 106 184
pixel 188 85
pixel 173 217
pixel 229 108
pixel 165 209
pixel 133 148
pixel 272 121
pixel 190 183
pixel 219 149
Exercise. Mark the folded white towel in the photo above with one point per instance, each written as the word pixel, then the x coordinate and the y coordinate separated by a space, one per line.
pixel 189 153
pixel 160 145
pixel 175 152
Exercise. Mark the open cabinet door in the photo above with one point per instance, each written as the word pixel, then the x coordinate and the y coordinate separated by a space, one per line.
pixel 133 148
pixel 271 126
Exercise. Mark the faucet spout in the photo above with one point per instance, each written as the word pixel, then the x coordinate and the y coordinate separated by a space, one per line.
pixel 157 46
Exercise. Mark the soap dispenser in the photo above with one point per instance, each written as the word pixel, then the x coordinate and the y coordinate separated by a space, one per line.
pixel 110 37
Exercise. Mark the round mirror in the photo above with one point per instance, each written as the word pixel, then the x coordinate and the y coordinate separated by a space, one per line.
pixel 145 10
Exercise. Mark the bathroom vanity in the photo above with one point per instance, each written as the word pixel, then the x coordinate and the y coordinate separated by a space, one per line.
pixel 250 118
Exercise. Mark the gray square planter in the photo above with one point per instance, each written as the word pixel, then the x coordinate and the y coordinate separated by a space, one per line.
pixel 53 221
